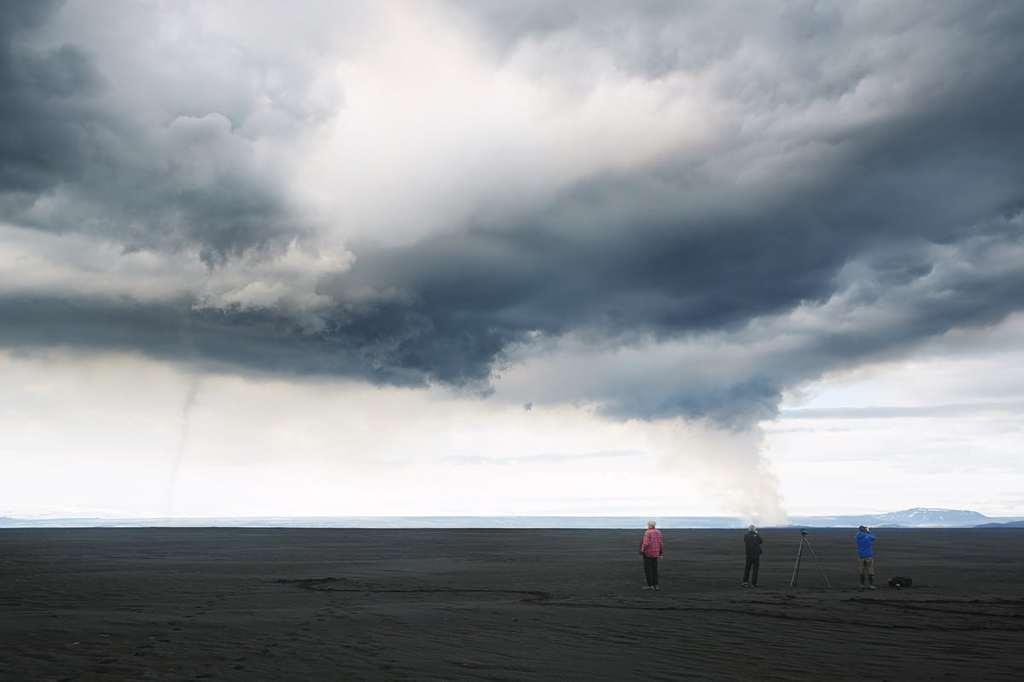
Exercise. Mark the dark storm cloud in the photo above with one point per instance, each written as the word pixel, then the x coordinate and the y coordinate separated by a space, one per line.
pixel 215 340
pixel 945 176
pixel 669 250
pixel 66 142
pixel 39 141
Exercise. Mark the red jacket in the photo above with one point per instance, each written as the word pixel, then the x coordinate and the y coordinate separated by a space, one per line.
pixel 652 543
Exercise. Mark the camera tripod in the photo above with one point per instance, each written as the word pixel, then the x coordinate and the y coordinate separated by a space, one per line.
pixel 799 555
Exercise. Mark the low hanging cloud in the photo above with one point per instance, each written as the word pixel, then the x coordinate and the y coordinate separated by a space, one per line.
pixel 661 210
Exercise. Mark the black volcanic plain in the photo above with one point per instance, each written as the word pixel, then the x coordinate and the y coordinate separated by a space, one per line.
pixel 241 604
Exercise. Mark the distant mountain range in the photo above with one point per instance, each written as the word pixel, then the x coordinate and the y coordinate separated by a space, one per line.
pixel 919 517
pixel 1009 524
pixel 908 518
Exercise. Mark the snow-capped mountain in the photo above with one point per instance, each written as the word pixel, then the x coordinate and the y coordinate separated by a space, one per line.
pixel 918 517
pixel 923 517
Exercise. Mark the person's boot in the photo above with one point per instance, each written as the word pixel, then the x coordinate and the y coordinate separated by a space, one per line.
pixel 871 582
pixel 862 582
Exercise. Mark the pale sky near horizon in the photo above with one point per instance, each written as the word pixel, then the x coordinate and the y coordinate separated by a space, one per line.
pixel 416 258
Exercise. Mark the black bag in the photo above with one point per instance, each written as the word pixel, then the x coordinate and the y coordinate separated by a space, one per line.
pixel 899 582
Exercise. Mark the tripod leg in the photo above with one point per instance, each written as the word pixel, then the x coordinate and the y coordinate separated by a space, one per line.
pixel 818 564
pixel 796 568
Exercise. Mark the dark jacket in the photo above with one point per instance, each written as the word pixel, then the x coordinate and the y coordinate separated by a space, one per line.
pixel 752 542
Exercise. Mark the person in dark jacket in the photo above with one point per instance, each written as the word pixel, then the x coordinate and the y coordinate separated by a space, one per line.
pixel 752 544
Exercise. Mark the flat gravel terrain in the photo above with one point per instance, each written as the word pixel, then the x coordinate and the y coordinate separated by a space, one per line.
pixel 295 604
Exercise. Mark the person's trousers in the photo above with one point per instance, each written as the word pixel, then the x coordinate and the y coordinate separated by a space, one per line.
pixel 651 570
pixel 750 570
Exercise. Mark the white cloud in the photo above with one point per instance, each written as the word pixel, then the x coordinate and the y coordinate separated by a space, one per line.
pixel 35 263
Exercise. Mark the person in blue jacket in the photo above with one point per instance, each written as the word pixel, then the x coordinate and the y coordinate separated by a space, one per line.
pixel 866 556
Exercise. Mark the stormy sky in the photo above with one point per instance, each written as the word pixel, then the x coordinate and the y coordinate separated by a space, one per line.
pixel 697 240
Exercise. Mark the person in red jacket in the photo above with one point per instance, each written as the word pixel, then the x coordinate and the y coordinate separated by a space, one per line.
pixel 652 550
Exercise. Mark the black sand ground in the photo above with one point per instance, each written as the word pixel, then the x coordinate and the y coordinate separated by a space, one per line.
pixel 500 604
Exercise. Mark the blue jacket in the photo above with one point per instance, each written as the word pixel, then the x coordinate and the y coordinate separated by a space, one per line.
pixel 864 542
